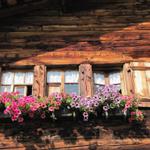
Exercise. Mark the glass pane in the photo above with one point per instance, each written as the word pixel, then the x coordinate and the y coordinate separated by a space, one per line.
pixel 21 90
pixel 53 89
pixel 71 77
pixel 7 78
pixel 29 90
pixel 5 88
pixel 19 78
pixel 71 88
pixel 114 78
pixel 99 78
pixel 29 78
pixel 97 86
pixel 54 77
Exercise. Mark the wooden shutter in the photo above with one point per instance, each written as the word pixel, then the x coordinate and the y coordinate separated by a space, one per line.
pixel 127 85
pixel 141 75
pixel 86 80
pixel 39 84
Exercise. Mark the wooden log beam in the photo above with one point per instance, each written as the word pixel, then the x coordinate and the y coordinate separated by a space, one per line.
pixel 61 57
pixel 19 9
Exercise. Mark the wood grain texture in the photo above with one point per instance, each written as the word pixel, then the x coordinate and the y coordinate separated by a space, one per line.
pixel 86 80
pixel 39 84
pixel 118 26
pixel 127 80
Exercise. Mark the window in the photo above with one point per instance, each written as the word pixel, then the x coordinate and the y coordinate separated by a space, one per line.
pixel 13 81
pixel 63 81
pixel 106 78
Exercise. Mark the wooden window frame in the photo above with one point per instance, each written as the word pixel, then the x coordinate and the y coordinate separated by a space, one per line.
pixel 16 85
pixel 106 76
pixel 62 83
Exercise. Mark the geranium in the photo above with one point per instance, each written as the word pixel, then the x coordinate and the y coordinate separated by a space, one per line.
pixel 136 115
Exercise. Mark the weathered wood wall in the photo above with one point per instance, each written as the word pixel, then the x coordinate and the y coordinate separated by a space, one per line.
pixel 105 25
pixel 69 135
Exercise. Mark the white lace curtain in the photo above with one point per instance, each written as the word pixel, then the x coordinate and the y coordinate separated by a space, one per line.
pixel 114 78
pixel 99 78
pixel 55 76
pixel 71 76
pixel 7 78
pixel 17 78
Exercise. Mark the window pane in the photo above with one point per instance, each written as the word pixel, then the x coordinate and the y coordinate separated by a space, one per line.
pixel 54 77
pixel 114 78
pixel 99 78
pixel 71 88
pixel 53 89
pixel 29 78
pixel 19 78
pixel 5 89
pixel 29 90
pixel 97 86
pixel 21 90
pixel 7 78
pixel 71 77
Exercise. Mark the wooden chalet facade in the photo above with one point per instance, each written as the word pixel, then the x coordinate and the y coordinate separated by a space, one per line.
pixel 75 45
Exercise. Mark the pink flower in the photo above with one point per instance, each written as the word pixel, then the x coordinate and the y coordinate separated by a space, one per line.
pixel 51 109
pixel 20 119
pixel 43 115
pixel 31 114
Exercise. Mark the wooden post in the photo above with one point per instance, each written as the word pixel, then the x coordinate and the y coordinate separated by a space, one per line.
pixel 39 84
pixel 127 80
pixel 86 80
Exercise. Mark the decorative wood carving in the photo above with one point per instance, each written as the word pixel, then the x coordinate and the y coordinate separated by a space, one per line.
pixel 39 85
pixel 86 79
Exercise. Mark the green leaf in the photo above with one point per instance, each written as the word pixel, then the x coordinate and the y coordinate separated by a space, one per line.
pixel 27 107
pixel 69 100
pixel 112 105
pixel 7 104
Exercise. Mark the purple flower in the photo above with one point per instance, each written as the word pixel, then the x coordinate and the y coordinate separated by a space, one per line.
pixel 105 108
pixel 85 118
pixel 85 114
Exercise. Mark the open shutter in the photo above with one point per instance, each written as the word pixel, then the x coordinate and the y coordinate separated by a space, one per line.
pixel 86 79
pixel 141 75
pixel 39 84
pixel 127 85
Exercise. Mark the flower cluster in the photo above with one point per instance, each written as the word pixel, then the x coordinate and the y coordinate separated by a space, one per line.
pixel 106 98
pixel 136 115
pixel 110 98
